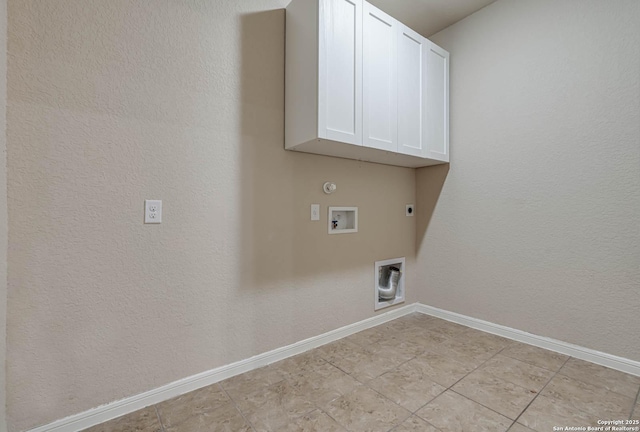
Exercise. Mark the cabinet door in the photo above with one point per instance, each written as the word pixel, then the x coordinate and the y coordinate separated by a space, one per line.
pixel 437 107
pixel 380 83
pixel 340 71
pixel 411 92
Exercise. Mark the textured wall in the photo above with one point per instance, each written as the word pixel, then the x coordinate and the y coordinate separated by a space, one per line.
pixel 3 210
pixel 112 102
pixel 537 225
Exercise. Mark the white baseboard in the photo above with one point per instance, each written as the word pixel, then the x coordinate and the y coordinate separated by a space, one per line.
pixel 128 405
pixel 95 416
pixel 593 356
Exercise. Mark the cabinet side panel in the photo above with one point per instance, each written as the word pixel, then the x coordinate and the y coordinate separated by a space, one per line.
pixel 411 93
pixel 437 102
pixel 340 73
pixel 301 72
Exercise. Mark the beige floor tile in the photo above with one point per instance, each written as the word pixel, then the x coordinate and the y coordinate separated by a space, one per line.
pixel 601 376
pixel 536 356
pixel 299 364
pixel 365 410
pixel 517 427
pixel 177 410
pixel 415 424
pixel 421 319
pixel 545 413
pixel 447 328
pixel 403 347
pixel 271 408
pixel 465 353
pixel 425 338
pixel 408 386
pixel 145 420
pixel 501 396
pixel 359 362
pixel 394 350
pixel 398 325
pixel 224 419
pixel 488 340
pixel 343 350
pixel 316 421
pixel 414 322
pixel 252 381
pixel 440 369
pixel 518 372
pixel 323 384
pixel 368 337
pixel 589 399
pixel 451 412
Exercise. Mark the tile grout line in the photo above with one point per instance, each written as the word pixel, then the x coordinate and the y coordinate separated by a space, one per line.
pixel 155 407
pixel 559 372
pixel 374 390
pixel 450 388
pixel 411 413
pixel 482 364
pixel 366 384
pixel 540 392
pixel 636 403
pixel 316 407
pixel 477 368
pixel 235 405
pixel 590 383
pixel 535 365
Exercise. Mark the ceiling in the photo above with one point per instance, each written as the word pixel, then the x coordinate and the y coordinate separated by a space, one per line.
pixel 428 17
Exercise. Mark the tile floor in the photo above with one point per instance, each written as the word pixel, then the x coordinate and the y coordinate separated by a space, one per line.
pixel 416 373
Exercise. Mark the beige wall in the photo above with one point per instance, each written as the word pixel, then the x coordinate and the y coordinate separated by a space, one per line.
pixel 112 102
pixel 537 224
pixel 3 211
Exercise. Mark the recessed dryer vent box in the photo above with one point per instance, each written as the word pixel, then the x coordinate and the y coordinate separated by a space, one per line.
pixel 381 283
pixel 343 220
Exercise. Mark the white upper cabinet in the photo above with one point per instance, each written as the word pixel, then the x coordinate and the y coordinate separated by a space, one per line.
pixel 437 102
pixel 361 85
pixel 340 71
pixel 411 92
pixel 380 81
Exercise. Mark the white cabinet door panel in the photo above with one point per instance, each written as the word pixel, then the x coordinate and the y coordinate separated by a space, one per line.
pixel 411 92
pixel 340 71
pixel 437 102
pixel 380 85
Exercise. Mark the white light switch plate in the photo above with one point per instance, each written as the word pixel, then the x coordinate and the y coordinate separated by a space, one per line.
pixel 152 211
pixel 315 212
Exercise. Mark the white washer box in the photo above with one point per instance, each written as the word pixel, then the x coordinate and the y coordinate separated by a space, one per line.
pixel 343 220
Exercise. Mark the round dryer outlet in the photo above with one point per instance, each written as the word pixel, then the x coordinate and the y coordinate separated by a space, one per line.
pixel 410 210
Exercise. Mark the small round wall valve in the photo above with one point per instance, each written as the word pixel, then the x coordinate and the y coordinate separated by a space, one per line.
pixel 329 187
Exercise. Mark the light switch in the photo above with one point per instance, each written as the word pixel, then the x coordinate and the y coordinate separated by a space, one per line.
pixel 152 211
pixel 315 212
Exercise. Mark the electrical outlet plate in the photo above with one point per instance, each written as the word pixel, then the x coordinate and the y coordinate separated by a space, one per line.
pixel 152 211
